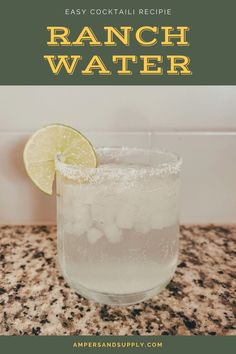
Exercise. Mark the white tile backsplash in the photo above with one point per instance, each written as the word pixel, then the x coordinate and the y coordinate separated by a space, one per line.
pixel 209 174
pixel 119 108
pixel 208 187
pixel 198 122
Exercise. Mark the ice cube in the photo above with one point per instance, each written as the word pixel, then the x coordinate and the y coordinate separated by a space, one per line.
pixel 111 207
pixel 94 235
pixel 125 216
pixel 82 220
pixel 112 233
pixel 86 193
pixel 97 213
pixel 105 211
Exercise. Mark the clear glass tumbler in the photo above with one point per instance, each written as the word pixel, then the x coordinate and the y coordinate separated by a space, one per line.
pixel 118 225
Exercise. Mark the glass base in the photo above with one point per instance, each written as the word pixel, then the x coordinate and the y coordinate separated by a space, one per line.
pixel 117 299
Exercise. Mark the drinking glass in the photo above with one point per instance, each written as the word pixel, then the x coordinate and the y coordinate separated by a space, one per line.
pixel 118 224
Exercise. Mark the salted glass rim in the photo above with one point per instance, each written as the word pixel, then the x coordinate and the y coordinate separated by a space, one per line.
pixel 173 166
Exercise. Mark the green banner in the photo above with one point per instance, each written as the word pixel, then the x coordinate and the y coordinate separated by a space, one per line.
pixel 139 344
pixel 88 42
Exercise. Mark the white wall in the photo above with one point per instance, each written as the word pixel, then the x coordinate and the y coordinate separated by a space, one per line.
pixel 197 122
pixel 116 108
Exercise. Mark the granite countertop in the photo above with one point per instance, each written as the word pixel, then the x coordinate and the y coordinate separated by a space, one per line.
pixel 35 300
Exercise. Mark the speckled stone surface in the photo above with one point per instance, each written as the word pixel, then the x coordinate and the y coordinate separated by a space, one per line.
pixel 35 300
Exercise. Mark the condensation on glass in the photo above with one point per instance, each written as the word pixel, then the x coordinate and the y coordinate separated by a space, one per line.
pixel 118 224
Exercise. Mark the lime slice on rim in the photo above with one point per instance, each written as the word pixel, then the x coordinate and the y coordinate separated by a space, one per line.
pixel 43 146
